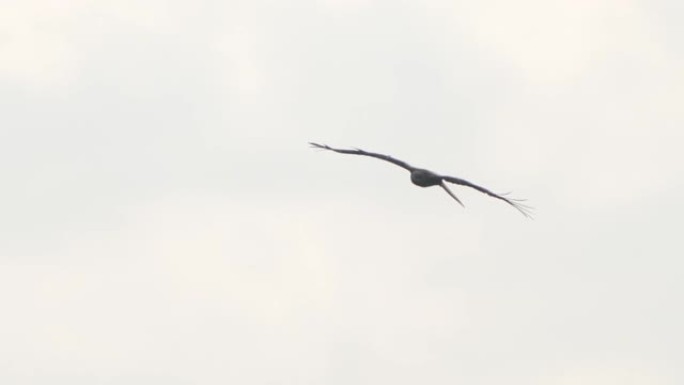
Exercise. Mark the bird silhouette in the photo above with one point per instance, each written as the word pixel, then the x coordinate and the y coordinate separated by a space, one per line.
pixel 426 178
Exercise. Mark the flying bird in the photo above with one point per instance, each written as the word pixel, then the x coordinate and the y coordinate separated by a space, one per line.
pixel 426 178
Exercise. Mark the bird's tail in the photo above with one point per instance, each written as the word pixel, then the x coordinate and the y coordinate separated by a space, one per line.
pixel 451 193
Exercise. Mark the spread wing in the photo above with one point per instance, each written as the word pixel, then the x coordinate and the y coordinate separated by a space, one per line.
pixel 357 151
pixel 517 203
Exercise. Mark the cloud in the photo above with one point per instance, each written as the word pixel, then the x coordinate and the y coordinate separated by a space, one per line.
pixel 594 112
pixel 242 73
pixel 219 284
pixel 553 41
pixel 44 43
pixel 610 372
pixel 165 223
pixel 34 44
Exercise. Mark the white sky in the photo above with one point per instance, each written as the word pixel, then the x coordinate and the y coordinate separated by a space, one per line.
pixel 162 220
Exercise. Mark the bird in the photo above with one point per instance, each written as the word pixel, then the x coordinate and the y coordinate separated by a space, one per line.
pixel 426 178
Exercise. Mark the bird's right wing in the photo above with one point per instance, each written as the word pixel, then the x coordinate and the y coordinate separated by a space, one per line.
pixel 357 151
pixel 517 203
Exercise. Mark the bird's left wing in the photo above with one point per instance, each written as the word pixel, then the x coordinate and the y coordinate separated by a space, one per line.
pixel 517 203
pixel 357 151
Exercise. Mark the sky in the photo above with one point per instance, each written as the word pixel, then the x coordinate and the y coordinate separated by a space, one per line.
pixel 163 220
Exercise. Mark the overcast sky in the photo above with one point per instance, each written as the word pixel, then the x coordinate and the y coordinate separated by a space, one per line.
pixel 162 220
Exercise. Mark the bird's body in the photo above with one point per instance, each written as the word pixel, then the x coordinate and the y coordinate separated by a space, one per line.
pixel 426 178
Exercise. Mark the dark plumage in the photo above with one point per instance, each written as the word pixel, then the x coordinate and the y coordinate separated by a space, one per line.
pixel 426 178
